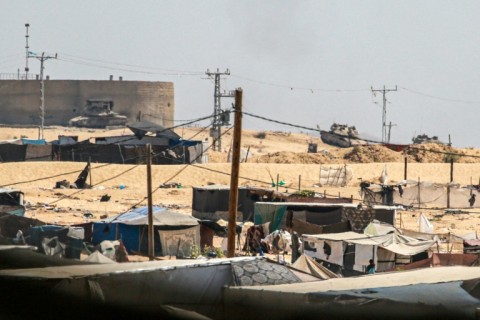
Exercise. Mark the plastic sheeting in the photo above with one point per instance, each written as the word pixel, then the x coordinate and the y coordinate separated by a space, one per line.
pixel 335 176
pixel 420 294
pixel 161 217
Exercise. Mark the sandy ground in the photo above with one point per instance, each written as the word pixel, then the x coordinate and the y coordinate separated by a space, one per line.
pixel 127 184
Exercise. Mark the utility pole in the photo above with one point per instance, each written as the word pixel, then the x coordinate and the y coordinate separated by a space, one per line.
pixel 151 248
pixel 390 125
pixel 384 91
pixel 233 199
pixel 27 25
pixel 221 117
pixel 42 59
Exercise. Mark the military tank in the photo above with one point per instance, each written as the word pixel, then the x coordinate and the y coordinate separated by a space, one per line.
pixel 423 138
pixel 341 135
pixel 98 114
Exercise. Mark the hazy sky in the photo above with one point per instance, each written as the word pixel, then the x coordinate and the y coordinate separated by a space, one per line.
pixel 305 62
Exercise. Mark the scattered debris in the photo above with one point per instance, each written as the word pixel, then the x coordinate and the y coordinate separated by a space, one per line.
pixel 171 185
pixel 105 198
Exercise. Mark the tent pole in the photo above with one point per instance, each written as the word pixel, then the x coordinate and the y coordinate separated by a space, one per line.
pixel 151 250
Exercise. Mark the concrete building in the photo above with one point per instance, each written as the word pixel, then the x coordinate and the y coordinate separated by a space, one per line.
pixel 65 99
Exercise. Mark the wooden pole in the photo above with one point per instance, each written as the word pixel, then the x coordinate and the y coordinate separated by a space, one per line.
pixel 451 180
pixel 278 177
pixel 90 170
pixel 151 249
pixel 419 200
pixel 405 169
pixel 299 182
pixel 233 199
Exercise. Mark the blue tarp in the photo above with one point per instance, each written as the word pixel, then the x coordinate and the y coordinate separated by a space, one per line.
pixel 132 227
pixel 34 141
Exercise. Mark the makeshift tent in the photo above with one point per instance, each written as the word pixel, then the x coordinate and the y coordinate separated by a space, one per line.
pixel 193 284
pixel 442 259
pixel 352 250
pixel 211 202
pixel 421 193
pixel 11 202
pixel 132 228
pixel 433 293
pixel 57 240
pixel 320 214
pixel 307 264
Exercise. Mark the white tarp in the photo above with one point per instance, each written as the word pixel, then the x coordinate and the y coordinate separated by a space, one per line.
pixel 335 176
pixel 161 217
pixel 394 242
pixel 425 225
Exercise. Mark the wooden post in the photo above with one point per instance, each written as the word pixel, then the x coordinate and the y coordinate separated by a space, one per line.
pixel 278 177
pixel 151 249
pixel 451 180
pixel 299 182
pixel 419 201
pixel 90 170
pixel 233 199
pixel 405 169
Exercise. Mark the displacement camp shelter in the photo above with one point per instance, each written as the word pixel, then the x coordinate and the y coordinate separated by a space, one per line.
pixel 140 290
pixel 422 193
pixel 211 202
pixel 352 251
pixel 175 233
pixel 314 218
pixel 432 293
pixel 167 147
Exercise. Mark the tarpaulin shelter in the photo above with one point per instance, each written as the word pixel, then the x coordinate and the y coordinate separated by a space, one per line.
pixel 422 193
pixel 146 287
pixel 211 202
pixel 433 293
pixel 352 251
pixel 314 215
pixel 132 228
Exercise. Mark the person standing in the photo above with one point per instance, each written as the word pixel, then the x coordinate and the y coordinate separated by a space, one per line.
pixel 371 267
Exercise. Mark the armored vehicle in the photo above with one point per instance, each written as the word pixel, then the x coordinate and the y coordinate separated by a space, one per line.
pixel 423 138
pixel 341 135
pixel 99 114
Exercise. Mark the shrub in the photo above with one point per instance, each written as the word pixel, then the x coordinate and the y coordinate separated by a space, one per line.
pixel 260 135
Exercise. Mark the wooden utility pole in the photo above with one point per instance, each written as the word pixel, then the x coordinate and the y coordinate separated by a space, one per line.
pixel 451 180
pixel 151 248
pixel 233 200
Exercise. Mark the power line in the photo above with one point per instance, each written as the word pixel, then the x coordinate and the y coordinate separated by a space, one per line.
pixel 172 71
pixel 312 89
pixel 440 98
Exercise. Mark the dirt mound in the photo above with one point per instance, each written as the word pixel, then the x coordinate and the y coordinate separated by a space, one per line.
pixel 433 152
pixel 372 153
pixel 294 157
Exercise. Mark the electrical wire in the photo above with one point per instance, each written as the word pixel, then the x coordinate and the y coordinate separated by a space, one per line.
pixel 439 98
pixel 312 90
